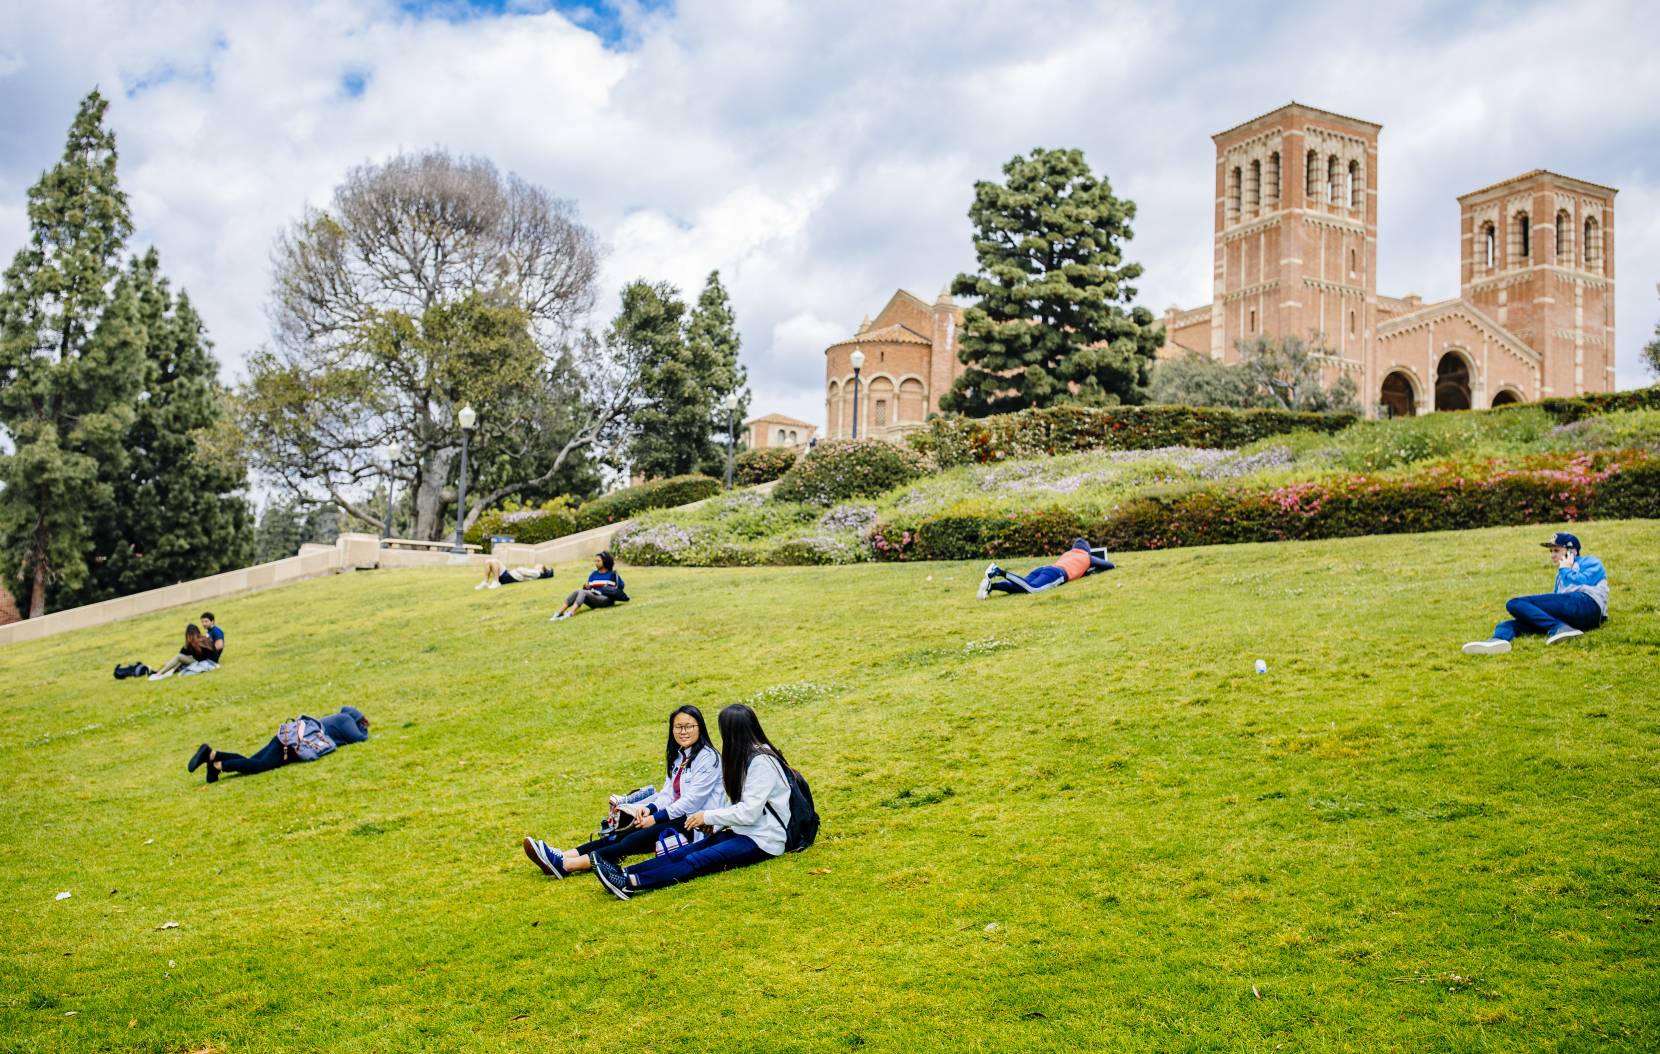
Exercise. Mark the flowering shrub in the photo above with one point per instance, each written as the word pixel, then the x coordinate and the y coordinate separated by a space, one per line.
pixel 839 469
pixel 657 494
pixel 857 518
pixel 553 519
pixel 1448 495
pixel 819 549
pixel 762 466
pixel 955 440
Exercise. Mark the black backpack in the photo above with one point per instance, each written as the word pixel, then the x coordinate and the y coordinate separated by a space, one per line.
pixel 136 669
pixel 802 830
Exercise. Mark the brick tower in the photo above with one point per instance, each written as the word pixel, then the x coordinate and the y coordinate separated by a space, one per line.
pixel 1538 258
pixel 1296 234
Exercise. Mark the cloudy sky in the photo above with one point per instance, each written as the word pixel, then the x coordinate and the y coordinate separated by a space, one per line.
pixel 820 154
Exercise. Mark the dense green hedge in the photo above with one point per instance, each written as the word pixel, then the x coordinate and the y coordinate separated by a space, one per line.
pixel 527 526
pixel 1573 408
pixel 657 494
pixel 955 440
pixel 762 466
pixel 839 469
pixel 1445 496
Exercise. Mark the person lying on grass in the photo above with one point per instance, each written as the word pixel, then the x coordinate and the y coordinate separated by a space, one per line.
pixel 692 784
pixel 1076 562
pixel 749 828
pixel 498 574
pixel 302 739
pixel 1578 603
pixel 203 647
pixel 604 588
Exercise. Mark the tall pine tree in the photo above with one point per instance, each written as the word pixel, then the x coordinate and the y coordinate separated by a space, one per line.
pixel 1052 324
pixel 671 427
pixel 176 509
pixel 71 356
pixel 712 338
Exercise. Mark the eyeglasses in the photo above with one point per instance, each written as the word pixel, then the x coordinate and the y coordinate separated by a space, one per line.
pixel 685 728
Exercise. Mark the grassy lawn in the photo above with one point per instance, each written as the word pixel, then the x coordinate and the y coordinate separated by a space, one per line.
pixel 1078 821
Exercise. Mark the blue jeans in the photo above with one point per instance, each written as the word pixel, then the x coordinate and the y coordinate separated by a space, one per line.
pixel 722 851
pixel 1034 581
pixel 1546 613
pixel 635 840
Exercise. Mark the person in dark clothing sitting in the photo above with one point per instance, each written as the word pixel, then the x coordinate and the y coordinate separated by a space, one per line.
pixel 1075 563
pixel 303 739
pixel 604 588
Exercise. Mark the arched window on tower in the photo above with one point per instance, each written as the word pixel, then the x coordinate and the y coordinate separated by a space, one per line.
pixel 1233 194
pixel 1313 191
pixel 1354 184
pixel 1564 239
pixel 1489 247
pixel 1333 189
pixel 1354 263
pixel 1253 190
pixel 1271 189
pixel 1523 239
pixel 1593 244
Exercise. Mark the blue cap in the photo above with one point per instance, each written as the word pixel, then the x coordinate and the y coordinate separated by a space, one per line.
pixel 1562 540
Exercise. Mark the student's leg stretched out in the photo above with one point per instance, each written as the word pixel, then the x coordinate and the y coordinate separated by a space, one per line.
pixel 269 757
pixel 1035 581
pixel 722 851
pixel 1546 613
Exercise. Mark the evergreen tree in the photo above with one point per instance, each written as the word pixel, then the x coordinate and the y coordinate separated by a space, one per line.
pixel 1052 324
pixel 71 356
pixel 280 531
pixel 671 427
pixel 175 509
pixel 712 337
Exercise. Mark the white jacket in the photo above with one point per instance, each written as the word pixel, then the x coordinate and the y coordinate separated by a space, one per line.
pixel 764 785
pixel 700 785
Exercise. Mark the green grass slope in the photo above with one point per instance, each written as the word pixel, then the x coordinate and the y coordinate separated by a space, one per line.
pixel 1072 822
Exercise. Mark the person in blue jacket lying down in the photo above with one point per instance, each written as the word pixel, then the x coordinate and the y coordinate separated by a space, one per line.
pixel 1577 604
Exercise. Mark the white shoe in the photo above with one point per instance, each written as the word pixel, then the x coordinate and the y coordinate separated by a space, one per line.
pixel 985 582
pixel 481 585
pixel 494 583
pixel 1565 633
pixel 1495 646
pixel 161 676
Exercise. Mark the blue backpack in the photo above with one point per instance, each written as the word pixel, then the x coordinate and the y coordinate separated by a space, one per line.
pixel 304 738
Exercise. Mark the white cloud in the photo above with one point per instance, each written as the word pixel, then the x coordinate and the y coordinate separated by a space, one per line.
pixel 818 155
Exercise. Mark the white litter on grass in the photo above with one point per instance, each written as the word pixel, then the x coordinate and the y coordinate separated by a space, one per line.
pixel 991 927
pixel 168 926
pixel 65 895
pixel 70 1013
pixel 148 841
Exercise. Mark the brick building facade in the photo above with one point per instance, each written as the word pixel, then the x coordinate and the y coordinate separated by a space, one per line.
pixel 1295 253
pixel 910 351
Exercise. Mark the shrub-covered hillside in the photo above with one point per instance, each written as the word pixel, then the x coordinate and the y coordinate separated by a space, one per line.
pixel 1438 472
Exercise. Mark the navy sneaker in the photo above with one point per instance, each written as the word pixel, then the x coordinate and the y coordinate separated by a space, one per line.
pixel 203 752
pixel 550 860
pixel 610 876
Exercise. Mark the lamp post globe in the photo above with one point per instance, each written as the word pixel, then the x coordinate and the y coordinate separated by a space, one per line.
pixel 730 405
pixel 394 451
pixel 858 360
pixel 467 418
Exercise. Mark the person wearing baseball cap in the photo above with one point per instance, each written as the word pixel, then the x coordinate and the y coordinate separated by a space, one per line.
pixel 1579 602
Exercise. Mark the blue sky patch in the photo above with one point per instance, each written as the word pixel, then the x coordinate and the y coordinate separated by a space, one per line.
pixel 354 82
pixel 604 18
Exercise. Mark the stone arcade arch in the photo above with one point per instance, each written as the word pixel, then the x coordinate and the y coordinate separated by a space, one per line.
pixel 1507 397
pixel 1399 395
pixel 1452 382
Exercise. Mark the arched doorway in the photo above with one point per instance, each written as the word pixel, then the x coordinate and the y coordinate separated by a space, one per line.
pixel 1506 397
pixel 1452 382
pixel 1396 398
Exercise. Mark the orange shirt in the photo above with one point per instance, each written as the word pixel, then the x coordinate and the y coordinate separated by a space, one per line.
pixel 1074 562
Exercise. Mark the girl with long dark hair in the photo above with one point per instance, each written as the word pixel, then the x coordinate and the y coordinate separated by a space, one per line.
pixel 691 784
pixel 751 824
pixel 603 588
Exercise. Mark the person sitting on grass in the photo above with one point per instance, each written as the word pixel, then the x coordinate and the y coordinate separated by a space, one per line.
pixel 201 651
pixel 692 784
pixel 752 824
pixel 604 588
pixel 302 739
pixel 1578 603
pixel 1076 562
pixel 498 574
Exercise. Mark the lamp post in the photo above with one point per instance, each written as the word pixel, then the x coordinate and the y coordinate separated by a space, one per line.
pixel 468 417
pixel 858 364
pixel 393 453
pixel 731 405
